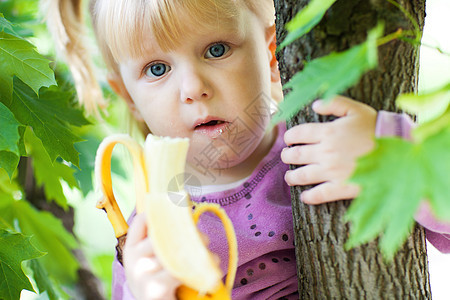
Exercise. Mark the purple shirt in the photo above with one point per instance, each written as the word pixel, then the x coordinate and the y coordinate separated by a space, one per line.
pixel 260 209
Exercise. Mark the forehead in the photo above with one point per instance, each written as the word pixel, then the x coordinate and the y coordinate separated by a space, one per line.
pixel 126 24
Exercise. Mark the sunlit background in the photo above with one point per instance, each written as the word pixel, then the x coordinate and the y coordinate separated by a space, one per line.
pixel 435 72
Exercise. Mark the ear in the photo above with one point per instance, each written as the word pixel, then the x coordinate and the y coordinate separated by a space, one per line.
pixel 271 41
pixel 117 85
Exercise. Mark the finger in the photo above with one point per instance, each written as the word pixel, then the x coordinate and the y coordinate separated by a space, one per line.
pixel 307 133
pixel 137 231
pixel 339 106
pixel 309 174
pixel 146 265
pixel 329 192
pixel 300 155
pixel 162 286
pixel 205 238
pixel 143 248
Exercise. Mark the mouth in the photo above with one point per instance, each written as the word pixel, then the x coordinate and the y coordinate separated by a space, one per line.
pixel 211 127
pixel 210 123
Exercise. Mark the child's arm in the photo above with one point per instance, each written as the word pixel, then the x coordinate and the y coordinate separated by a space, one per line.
pixel 329 150
pixel 145 276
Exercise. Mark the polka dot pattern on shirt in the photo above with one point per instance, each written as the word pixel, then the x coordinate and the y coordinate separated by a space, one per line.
pixel 267 266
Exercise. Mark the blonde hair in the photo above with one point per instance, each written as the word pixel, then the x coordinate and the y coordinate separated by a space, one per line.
pixel 120 27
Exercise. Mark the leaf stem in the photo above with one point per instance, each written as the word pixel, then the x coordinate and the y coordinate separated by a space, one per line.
pixel 417 31
pixel 390 37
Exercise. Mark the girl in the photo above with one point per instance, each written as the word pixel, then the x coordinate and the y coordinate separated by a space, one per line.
pixel 204 69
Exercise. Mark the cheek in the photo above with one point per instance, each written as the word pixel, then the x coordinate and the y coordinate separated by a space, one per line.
pixel 155 111
pixel 248 81
pixel 256 71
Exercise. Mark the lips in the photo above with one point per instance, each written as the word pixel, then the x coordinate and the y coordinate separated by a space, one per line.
pixel 208 121
pixel 211 126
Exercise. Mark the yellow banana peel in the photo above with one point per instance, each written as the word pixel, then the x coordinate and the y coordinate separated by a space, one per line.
pixel 171 220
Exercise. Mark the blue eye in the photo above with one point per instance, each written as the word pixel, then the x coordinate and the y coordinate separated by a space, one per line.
pixel 157 70
pixel 217 50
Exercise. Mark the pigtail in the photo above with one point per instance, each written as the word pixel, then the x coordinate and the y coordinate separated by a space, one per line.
pixel 65 21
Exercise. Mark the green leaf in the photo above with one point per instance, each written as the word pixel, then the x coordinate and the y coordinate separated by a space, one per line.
pixel 47 118
pixel 433 110
pixel 5 25
pixel 430 128
pixel 9 139
pixel 436 166
pixel 8 188
pixel 394 179
pixel 427 106
pixel 306 19
pixel 101 264
pixel 48 174
pixel 328 76
pixel 20 11
pixel 49 235
pixel 21 144
pixel 9 194
pixel 59 105
pixel 9 162
pixel 14 249
pixel 9 135
pixel 19 58
pixel 45 282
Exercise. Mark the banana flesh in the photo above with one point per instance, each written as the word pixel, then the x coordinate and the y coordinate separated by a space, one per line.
pixel 177 242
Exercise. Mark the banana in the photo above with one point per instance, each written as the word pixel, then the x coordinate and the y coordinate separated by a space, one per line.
pixel 177 242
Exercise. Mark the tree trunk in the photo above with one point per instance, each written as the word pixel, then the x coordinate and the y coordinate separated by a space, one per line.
pixel 325 269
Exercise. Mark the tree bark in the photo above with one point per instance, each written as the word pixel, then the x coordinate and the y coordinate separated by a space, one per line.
pixel 325 269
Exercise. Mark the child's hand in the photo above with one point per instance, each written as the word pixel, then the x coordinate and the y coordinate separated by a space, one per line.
pixel 330 150
pixel 146 277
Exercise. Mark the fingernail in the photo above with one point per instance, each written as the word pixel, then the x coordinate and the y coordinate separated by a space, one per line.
pixel 285 175
pixel 317 103
pixel 303 197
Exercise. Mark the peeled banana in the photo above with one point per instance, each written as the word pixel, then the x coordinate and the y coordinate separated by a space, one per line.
pixel 171 223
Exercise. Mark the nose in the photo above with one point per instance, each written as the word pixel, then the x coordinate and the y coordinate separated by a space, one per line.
pixel 195 86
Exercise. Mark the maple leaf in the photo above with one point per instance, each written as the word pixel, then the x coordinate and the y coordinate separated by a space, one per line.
pixel 19 58
pixel 48 232
pixel 48 118
pixel 5 25
pixel 306 19
pixel 45 282
pixel 432 108
pixel 9 139
pixel 394 178
pixel 49 235
pixel 427 106
pixel 328 76
pixel 14 249
pixel 48 174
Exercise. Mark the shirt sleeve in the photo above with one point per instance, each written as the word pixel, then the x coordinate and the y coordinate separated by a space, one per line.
pixel 393 124
pixel 120 290
pixel 438 232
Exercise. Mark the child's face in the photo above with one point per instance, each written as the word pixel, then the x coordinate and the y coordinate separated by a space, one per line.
pixel 221 73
